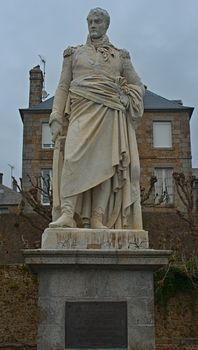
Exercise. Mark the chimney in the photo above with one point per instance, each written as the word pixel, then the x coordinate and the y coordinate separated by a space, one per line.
pixel 1 178
pixel 36 86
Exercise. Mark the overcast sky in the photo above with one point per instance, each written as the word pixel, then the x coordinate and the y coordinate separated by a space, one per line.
pixel 162 37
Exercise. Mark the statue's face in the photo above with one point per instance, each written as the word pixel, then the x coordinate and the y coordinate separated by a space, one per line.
pixel 97 26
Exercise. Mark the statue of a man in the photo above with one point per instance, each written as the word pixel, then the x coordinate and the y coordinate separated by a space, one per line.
pixel 101 96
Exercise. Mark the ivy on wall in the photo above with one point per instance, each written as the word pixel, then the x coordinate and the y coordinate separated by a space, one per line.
pixel 176 278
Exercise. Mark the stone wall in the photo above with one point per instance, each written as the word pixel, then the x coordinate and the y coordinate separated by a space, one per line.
pixel 18 305
pixel 168 231
pixel 176 325
pixel 178 322
pixel 17 233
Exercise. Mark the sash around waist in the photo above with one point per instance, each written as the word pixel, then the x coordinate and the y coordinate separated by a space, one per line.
pixel 99 89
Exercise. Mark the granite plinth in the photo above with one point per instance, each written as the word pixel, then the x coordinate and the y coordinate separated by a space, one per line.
pixel 91 268
pixel 75 238
pixel 95 275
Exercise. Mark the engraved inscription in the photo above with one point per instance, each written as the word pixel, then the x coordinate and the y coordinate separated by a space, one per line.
pixel 96 325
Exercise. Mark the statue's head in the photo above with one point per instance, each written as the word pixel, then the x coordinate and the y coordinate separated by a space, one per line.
pixel 98 22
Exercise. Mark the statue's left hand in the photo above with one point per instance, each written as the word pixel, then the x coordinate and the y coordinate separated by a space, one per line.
pixel 56 129
pixel 124 99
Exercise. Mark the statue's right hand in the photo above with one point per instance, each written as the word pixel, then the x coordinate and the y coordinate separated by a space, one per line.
pixel 56 129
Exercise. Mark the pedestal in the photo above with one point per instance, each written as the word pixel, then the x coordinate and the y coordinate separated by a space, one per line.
pixel 75 238
pixel 94 297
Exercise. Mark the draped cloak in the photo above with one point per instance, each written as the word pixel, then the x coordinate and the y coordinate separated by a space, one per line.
pixel 101 143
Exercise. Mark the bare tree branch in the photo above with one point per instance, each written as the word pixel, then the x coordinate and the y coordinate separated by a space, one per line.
pixel 33 197
pixel 145 194
pixel 184 187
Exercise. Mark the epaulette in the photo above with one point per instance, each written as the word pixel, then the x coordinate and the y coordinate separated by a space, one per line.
pixel 124 53
pixel 70 50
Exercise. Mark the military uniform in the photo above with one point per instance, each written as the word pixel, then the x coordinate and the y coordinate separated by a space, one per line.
pixel 101 95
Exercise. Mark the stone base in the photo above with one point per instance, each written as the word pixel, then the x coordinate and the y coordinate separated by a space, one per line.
pixel 75 238
pixel 120 276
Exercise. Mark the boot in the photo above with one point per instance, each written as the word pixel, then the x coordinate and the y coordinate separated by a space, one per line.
pixel 64 220
pixel 67 209
pixel 96 219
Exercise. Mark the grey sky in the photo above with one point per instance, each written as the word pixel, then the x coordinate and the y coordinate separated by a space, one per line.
pixel 161 36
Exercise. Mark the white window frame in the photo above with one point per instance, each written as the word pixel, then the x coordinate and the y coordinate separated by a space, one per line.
pixel 165 140
pixel 47 142
pixel 44 200
pixel 164 187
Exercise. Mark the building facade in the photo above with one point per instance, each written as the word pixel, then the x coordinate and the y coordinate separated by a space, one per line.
pixel 163 140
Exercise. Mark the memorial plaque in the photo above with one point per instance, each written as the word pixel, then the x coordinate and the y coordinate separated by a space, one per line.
pixel 96 325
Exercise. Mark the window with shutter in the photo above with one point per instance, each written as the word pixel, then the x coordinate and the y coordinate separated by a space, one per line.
pixel 164 186
pixel 46 185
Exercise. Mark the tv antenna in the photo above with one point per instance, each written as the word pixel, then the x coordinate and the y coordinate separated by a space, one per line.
pixel 44 92
pixel 11 171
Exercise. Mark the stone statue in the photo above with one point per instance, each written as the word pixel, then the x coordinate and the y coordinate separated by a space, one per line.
pixel 101 97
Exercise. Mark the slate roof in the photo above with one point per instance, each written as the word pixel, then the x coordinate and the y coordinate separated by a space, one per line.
pixel 152 102
pixel 45 104
pixel 9 196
